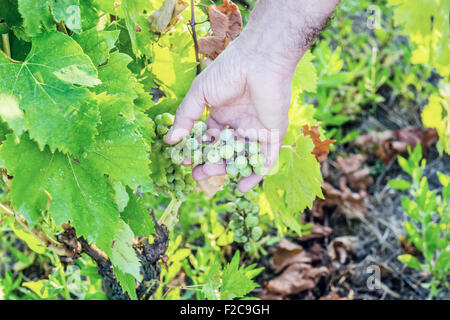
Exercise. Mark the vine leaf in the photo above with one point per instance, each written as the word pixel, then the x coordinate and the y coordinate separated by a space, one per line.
pixel 79 194
pixel 97 44
pixel 296 184
pixel 49 87
pixel 118 150
pixel 38 15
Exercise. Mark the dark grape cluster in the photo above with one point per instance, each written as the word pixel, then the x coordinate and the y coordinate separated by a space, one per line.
pixel 244 221
pixel 179 181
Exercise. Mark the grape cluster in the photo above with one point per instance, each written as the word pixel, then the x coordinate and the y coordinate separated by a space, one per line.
pixel 244 221
pixel 179 178
pixel 242 157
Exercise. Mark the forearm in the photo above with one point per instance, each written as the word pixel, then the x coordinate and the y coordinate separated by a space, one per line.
pixel 282 30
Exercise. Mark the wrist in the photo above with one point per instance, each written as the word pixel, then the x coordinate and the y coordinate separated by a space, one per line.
pixel 280 33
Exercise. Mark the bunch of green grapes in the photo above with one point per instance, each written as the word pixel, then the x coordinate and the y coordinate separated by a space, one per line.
pixel 245 219
pixel 179 178
pixel 242 157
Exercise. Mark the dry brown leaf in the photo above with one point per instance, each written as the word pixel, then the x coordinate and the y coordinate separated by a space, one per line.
pixel 317 231
pixel 226 24
pixel 167 15
pixel 211 185
pixel 389 144
pixel 339 248
pixel 286 253
pixel 296 278
pixel 211 46
pixel 352 167
pixel 322 148
pixel 349 203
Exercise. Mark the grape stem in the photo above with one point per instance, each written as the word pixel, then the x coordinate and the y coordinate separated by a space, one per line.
pixel 171 209
pixel 192 24
pixel 43 238
pixel 6 46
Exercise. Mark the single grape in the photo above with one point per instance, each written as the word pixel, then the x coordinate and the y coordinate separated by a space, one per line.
pixel 230 206
pixel 253 147
pixel 257 233
pixel 226 134
pixel 162 129
pixel 248 247
pixel 239 146
pixel 199 128
pixel 213 156
pixel 246 171
pixel 227 151
pixel 192 144
pixel 197 157
pixel 167 119
pixel 176 156
pixel 158 119
pixel 240 162
pixel 232 170
pixel 251 221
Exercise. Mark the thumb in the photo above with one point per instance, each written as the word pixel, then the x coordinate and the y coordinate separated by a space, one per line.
pixel 190 110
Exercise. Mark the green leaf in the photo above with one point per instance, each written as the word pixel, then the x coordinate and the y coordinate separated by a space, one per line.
pixel 410 261
pixel 298 181
pixel 136 215
pixel 79 194
pixel 121 196
pixel 128 283
pixel 137 25
pixel 118 81
pixel 443 261
pixel 411 209
pixel 44 94
pixel 97 44
pixel 36 16
pixel 305 76
pixel 67 11
pixel 399 184
pixel 118 150
pixel 236 282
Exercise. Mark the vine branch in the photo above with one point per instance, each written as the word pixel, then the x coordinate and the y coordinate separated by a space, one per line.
pixel 192 23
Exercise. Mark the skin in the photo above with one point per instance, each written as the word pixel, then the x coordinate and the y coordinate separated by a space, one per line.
pixel 249 86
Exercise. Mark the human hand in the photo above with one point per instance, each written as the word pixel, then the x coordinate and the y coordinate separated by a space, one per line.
pixel 248 93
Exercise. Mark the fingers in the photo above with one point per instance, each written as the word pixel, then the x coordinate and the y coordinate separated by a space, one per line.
pixel 188 112
pixel 209 170
pixel 272 152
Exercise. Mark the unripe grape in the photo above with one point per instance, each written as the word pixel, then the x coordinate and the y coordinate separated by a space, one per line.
pixel 230 207
pixel 213 156
pixel 161 129
pixel 253 147
pixel 226 151
pixel 246 171
pixel 248 247
pixel 167 119
pixel 192 144
pixel 197 157
pixel 176 156
pixel 158 119
pixel 232 170
pixel 251 221
pixel 257 233
pixel 226 134
pixel 239 146
pixel 199 128
pixel 240 162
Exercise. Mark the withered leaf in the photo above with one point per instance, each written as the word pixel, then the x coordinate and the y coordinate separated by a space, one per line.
pixel 322 148
pixel 167 15
pixel 226 24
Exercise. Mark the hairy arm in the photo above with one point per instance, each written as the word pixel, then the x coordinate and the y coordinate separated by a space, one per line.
pixel 249 86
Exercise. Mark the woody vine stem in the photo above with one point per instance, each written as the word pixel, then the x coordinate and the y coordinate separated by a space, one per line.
pixel 192 23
